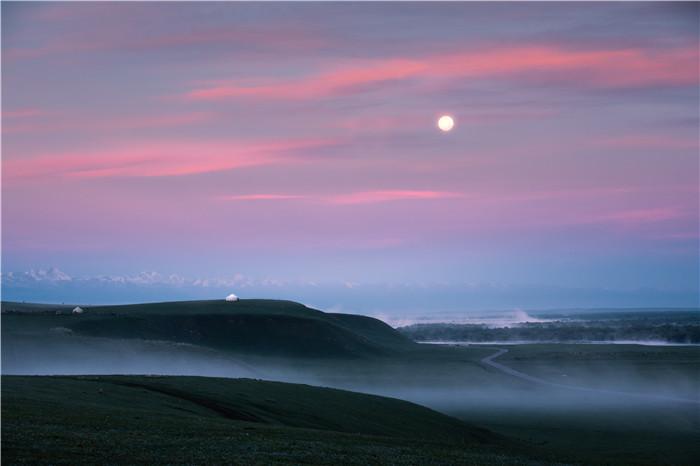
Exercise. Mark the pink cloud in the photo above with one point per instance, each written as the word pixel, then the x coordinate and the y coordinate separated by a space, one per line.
pixel 62 122
pixel 649 141
pixel 342 80
pixel 558 194
pixel 642 215
pixel 378 123
pixel 605 68
pixel 597 68
pixel 160 159
pixel 281 36
pixel 22 120
pixel 371 197
pixel 156 121
pixel 22 113
pixel 632 217
pixel 260 197
pixel 360 197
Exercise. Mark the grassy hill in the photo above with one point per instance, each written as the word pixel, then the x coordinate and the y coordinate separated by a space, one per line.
pixel 255 326
pixel 107 419
pixel 156 420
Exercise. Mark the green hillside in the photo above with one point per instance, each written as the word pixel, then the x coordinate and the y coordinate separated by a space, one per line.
pixel 255 326
pixel 156 420
pixel 373 329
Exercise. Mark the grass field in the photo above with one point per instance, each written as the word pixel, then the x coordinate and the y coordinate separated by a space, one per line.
pixel 554 423
pixel 186 420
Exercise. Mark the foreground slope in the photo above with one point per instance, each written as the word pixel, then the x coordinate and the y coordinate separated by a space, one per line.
pixel 140 419
pixel 256 326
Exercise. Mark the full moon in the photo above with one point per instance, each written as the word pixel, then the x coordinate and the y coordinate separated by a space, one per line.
pixel 446 123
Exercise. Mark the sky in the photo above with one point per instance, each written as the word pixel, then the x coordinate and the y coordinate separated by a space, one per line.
pixel 155 151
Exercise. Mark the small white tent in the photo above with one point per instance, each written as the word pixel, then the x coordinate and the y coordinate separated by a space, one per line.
pixel 231 297
pixel 78 310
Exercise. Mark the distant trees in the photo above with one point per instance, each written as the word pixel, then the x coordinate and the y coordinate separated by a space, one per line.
pixel 559 331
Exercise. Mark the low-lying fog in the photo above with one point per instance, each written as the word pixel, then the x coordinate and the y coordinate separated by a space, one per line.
pixel 647 327
pixel 545 342
pixel 493 319
pixel 462 388
pixel 72 354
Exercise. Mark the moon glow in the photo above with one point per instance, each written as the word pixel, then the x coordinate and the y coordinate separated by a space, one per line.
pixel 446 123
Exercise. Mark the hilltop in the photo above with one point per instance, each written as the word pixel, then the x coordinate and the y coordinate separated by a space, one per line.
pixel 256 326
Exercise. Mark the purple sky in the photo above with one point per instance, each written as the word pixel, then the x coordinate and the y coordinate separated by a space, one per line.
pixel 297 143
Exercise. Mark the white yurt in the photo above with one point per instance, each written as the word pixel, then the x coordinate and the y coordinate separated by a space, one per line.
pixel 232 297
pixel 78 310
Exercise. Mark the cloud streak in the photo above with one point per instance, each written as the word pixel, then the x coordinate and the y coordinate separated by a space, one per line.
pixel 167 158
pixel 632 217
pixel 260 197
pixel 649 141
pixel 614 68
pixel 62 122
pixel 22 113
pixel 111 37
pixel 354 198
pixel 373 197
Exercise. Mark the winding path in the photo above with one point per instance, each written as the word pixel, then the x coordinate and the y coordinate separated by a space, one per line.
pixel 489 361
